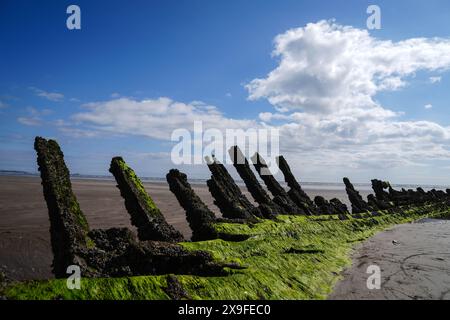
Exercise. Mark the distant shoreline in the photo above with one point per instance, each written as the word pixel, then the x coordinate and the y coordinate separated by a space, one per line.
pixel 306 184
pixel 25 250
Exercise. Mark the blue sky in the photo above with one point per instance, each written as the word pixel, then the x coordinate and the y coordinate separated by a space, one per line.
pixel 203 51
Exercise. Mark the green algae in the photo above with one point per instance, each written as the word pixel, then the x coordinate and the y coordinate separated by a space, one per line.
pixel 134 180
pixel 140 288
pixel 295 257
pixel 62 188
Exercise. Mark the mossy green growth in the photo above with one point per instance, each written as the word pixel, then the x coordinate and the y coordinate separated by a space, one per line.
pixel 134 180
pixel 140 288
pixel 295 257
pixel 62 186
pixel 79 215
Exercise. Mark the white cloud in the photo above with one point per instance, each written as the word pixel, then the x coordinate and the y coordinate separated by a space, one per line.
pixel 77 133
pixel 154 118
pixel 428 106
pixel 29 121
pixel 152 156
pixel 435 79
pixel 34 117
pixel 324 90
pixel 3 105
pixel 324 95
pixel 325 67
pixel 52 96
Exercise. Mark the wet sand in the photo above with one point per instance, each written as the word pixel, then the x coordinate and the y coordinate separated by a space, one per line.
pixel 416 266
pixel 25 251
pixel 414 260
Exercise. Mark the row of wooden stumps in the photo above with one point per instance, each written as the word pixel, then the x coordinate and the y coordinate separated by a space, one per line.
pixel 117 252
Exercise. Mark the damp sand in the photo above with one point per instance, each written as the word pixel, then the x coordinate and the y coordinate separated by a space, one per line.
pixel 414 260
pixel 25 251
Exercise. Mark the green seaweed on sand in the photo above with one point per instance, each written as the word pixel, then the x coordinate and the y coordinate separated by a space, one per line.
pixel 273 260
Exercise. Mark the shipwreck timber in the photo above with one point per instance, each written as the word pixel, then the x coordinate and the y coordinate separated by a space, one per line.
pixel 145 215
pixel 68 225
pixel 116 252
pixel 296 192
pixel 268 208
pixel 199 216
pixel 281 197
pixel 228 197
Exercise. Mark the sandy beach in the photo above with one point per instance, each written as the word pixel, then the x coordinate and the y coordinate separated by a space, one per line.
pixel 414 266
pixel 414 260
pixel 25 251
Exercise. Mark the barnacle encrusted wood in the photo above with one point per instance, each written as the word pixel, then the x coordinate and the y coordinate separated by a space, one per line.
pixel 280 195
pixel 113 252
pixel 68 225
pixel 145 215
pixel 271 254
pixel 358 203
pixel 296 192
pixel 227 195
pixel 199 216
pixel 268 208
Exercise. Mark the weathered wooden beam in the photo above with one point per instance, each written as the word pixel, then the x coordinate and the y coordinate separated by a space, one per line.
pixel 112 252
pixel 68 225
pixel 378 187
pixel 296 192
pixel 280 195
pixel 268 208
pixel 358 203
pixel 145 215
pixel 199 216
pixel 334 206
pixel 227 194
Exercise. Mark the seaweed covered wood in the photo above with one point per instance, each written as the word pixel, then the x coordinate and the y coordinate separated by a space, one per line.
pixel 268 208
pixel 227 194
pixel 200 218
pixel 380 200
pixel 273 263
pixel 296 192
pixel 295 257
pixel 145 215
pixel 358 203
pixel 68 225
pixel 334 206
pixel 280 195
pixel 112 252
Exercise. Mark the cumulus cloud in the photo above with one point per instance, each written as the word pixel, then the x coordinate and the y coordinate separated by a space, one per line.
pixel 326 67
pixel 156 118
pixel 324 93
pixel 52 96
pixel 428 106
